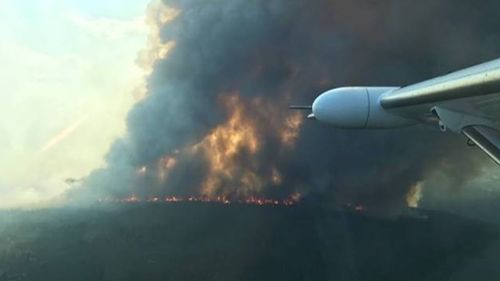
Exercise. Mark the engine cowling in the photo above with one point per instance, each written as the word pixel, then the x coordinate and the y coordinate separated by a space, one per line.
pixel 357 108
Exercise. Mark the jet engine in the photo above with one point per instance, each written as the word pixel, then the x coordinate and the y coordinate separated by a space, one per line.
pixel 357 108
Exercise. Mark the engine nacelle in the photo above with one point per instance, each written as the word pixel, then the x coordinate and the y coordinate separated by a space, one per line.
pixel 357 108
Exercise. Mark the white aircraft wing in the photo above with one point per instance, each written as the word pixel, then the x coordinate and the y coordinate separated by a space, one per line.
pixel 466 101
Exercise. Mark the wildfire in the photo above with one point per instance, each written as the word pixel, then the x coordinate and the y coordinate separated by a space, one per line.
pixel 356 208
pixel 252 200
pixel 290 130
pixel 223 146
pixel 230 148
pixel 286 124
pixel 231 151
pixel 165 165
pixel 414 195
pixel 131 199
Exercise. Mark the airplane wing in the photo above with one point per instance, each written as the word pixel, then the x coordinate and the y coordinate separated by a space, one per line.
pixel 466 102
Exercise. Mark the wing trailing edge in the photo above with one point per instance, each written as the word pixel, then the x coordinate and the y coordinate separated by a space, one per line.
pixel 486 138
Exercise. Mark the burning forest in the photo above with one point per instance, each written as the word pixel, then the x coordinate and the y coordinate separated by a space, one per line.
pixel 256 201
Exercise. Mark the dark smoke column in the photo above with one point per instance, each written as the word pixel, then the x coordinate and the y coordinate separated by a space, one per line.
pixel 215 122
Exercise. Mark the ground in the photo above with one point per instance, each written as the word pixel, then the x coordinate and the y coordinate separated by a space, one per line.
pixel 202 241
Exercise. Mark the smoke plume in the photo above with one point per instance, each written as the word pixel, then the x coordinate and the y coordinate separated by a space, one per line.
pixel 214 119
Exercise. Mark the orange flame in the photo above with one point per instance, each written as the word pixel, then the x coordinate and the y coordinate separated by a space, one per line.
pixel 238 137
pixel 414 195
pixel 230 149
pixel 252 200
pixel 223 145
pixel 290 130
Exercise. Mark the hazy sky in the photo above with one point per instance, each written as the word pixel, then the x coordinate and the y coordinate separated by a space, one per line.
pixel 67 80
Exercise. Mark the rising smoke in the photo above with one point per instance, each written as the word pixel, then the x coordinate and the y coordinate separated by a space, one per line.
pixel 214 120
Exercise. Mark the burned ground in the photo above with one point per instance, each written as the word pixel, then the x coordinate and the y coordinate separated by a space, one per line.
pixel 206 241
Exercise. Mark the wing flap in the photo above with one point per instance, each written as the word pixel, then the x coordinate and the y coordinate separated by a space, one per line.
pixel 487 139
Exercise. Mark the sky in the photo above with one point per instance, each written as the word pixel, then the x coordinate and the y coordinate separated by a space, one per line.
pixel 68 78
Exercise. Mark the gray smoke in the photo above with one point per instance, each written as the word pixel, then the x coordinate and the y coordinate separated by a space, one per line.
pixel 289 51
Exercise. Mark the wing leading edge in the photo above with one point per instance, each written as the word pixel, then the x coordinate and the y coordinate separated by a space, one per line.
pixel 479 80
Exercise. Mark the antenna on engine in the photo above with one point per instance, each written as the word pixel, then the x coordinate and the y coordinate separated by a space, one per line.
pixel 300 107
